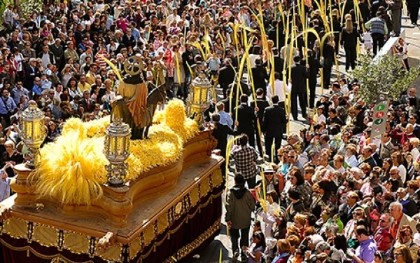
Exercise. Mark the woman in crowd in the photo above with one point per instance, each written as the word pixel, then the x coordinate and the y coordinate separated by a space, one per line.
pixel 402 254
pixel 255 252
pixel 349 37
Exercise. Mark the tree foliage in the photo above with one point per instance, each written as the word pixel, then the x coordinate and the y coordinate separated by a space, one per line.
pixel 383 75
pixel 25 7
pixel 28 7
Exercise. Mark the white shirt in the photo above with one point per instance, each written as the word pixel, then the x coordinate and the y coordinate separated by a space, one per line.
pixel 46 59
pixel 172 18
pixel 278 90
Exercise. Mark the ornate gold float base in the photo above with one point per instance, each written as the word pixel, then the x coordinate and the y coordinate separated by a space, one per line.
pixel 167 214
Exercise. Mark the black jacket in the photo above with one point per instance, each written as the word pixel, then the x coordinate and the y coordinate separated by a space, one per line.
pixel 246 119
pixel 298 77
pixel 226 76
pixel 30 75
pixel 259 76
pixel 52 57
pixel 220 133
pixel 274 122
pixel 261 104
pixel 349 40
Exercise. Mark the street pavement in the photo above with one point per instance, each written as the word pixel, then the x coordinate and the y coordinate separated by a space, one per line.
pixel 222 244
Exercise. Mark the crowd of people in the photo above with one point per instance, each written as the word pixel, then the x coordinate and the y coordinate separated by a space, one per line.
pixel 334 192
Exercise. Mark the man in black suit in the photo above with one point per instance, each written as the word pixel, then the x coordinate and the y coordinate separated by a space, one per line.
pixel 346 210
pixel 245 119
pixel 230 100
pixel 299 74
pixel 260 104
pixel 31 73
pixel 278 61
pixel 274 124
pixel 358 122
pixel 313 72
pixel 86 102
pixel 387 147
pixel 375 154
pixel 367 157
pixel 226 75
pixel 220 132
pixel 58 51
pixel 259 76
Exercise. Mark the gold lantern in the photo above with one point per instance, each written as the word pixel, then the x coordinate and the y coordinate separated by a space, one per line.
pixel 32 131
pixel 117 150
pixel 199 98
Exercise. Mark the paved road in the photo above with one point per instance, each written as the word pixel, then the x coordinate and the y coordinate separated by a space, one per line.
pixel 211 253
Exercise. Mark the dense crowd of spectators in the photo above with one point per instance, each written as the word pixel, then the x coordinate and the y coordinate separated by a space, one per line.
pixel 333 188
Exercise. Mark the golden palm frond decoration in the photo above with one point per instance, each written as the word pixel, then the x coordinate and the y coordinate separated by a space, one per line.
pixel 72 169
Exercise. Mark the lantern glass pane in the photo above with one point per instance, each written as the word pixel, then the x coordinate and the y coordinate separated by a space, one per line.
pixel 196 97
pixel 112 146
pixel 127 143
pixel 28 129
pixel 120 145
pixel 106 145
pixel 203 95
pixel 36 132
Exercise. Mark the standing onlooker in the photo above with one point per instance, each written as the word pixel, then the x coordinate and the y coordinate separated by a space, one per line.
pixel 365 252
pixel 4 185
pixel 400 219
pixel 239 206
pixel 382 234
pixel 8 21
pixel 7 108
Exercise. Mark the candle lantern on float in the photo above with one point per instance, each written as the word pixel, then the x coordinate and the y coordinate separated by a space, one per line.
pixel 117 150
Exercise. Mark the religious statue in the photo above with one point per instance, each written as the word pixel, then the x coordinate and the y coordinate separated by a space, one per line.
pixel 135 105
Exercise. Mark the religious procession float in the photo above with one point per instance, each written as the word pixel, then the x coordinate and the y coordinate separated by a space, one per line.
pixel 99 193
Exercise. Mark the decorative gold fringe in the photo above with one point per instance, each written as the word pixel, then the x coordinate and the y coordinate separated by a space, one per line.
pixel 185 250
pixel 29 249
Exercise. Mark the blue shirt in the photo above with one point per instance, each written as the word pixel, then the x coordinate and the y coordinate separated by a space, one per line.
pixel 4 187
pixel 225 119
pixel 366 250
pixel 37 90
pixel 7 105
pixel 18 93
pixel 136 34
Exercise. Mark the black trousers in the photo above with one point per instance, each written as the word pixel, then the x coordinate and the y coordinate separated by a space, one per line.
pixel 312 91
pixel 258 137
pixel 239 234
pixel 269 142
pixel 350 57
pixel 414 13
pixel 302 103
pixel 378 42
pixel 326 71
